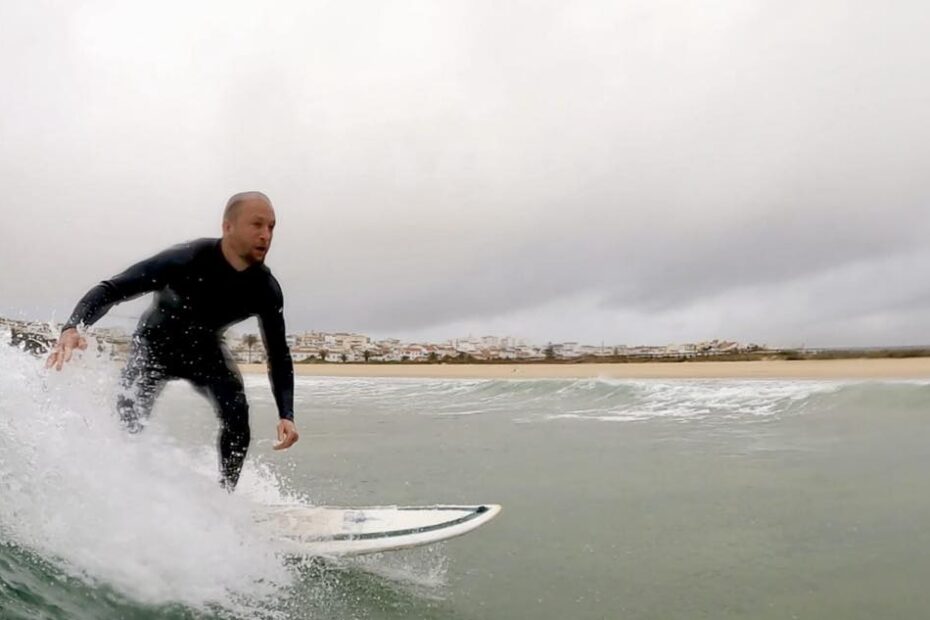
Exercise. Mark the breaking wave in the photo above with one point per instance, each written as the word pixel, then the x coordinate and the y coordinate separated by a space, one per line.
pixel 539 400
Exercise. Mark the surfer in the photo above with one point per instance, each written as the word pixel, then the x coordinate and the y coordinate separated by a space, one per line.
pixel 201 288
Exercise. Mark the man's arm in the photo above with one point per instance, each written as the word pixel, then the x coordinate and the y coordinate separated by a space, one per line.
pixel 145 276
pixel 148 275
pixel 280 366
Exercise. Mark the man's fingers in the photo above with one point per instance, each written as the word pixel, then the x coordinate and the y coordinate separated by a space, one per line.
pixel 287 443
pixel 287 437
pixel 82 343
pixel 61 353
pixel 59 357
pixel 281 435
pixel 290 440
pixel 284 443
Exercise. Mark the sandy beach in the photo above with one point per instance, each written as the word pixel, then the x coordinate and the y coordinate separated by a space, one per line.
pixel 910 368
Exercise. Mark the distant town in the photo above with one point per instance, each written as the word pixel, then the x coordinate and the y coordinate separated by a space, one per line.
pixel 317 347
pixel 352 348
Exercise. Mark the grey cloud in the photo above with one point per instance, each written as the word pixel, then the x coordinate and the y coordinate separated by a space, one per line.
pixel 437 165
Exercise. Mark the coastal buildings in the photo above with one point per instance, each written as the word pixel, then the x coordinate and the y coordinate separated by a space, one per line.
pixel 348 347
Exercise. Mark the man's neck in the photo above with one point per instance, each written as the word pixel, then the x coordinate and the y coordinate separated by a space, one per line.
pixel 237 262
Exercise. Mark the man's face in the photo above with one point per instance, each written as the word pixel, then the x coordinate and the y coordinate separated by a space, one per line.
pixel 251 229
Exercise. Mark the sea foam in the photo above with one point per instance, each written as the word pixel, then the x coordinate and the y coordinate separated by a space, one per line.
pixel 134 512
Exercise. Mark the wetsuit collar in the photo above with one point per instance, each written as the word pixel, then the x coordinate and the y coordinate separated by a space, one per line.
pixel 219 250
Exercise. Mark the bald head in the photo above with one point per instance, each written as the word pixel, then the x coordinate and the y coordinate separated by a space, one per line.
pixel 248 226
pixel 235 202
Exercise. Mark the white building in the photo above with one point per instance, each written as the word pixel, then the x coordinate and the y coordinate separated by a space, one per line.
pixel 566 350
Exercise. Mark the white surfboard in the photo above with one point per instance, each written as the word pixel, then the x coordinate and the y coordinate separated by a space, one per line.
pixel 335 531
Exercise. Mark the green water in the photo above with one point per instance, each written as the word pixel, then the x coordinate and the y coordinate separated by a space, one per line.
pixel 814 510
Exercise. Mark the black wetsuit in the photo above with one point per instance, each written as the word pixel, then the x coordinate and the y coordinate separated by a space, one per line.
pixel 198 294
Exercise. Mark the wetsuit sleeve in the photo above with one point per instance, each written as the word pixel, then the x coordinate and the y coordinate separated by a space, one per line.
pixel 280 364
pixel 151 274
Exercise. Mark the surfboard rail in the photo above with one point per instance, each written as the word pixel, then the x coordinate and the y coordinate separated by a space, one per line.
pixel 341 531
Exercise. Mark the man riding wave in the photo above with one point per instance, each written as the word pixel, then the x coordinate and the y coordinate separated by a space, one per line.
pixel 201 288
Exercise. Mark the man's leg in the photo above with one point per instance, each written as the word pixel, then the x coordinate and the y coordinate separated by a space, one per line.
pixel 140 383
pixel 223 386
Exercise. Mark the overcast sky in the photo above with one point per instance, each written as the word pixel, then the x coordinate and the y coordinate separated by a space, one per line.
pixel 629 172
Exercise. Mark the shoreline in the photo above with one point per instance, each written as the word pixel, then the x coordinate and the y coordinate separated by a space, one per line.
pixel 880 368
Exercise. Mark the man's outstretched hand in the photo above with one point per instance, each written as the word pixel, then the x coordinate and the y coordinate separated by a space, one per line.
pixel 287 435
pixel 70 340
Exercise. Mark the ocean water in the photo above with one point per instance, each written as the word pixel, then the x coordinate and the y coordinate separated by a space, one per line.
pixel 622 499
